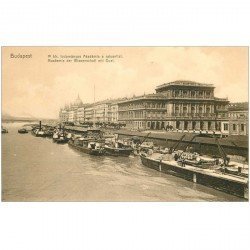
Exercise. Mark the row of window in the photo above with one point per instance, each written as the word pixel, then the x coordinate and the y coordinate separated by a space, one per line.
pixel 192 93
pixel 143 105
pixel 235 115
pixel 177 108
pixel 242 127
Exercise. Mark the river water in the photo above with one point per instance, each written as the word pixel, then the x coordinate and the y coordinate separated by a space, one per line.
pixel 36 169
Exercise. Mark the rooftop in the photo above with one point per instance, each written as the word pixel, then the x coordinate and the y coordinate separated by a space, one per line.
pixel 148 96
pixel 238 106
pixel 184 83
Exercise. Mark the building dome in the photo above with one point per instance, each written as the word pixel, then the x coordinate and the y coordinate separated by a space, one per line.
pixel 78 101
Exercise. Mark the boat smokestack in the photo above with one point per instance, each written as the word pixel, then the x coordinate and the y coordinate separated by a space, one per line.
pixel 40 125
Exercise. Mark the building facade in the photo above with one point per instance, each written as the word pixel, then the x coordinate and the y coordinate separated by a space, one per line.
pixel 70 113
pixel 100 112
pixel 179 105
pixel 63 115
pixel 182 105
pixel 89 113
pixel 114 112
pixel 80 114
pixel 238 118
pixel 103 112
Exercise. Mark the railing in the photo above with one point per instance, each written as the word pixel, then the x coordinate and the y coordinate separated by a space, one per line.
pixel 191 115
pixel 221 109
pixel 141 108
pixel 191 97
pixel 220 99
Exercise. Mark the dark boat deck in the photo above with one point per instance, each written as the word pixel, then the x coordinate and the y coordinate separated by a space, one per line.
pixel 112 151
pixel 230 184
pixel 86 150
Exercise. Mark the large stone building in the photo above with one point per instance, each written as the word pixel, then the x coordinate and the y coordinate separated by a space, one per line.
pixel 88 113
pixel 80 114
pixel 103 112
pixel 182 105
pixel 238 118
pixel 100 112
pixel 114 112
pixel 179 105
pixel 63 115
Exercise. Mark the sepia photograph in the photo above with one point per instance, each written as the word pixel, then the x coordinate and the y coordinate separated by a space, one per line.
pixel 137 124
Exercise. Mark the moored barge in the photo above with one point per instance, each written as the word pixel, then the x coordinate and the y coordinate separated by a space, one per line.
pixel 87 146
pixel 22 131
pixel 235 185
pixel 118 148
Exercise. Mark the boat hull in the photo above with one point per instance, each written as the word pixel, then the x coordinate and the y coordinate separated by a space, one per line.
pixel 220 183
pixel 22 132
pixel 86 150
pixel 118 152
pixel 41 135
pixel 37 135
pixel 62 141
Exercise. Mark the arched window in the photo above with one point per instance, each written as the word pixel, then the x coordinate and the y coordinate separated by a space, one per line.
pixel 177 109
pixel 185 110
pixel 185 125
pixel 193 125
pixel 193 109
pixel 177 124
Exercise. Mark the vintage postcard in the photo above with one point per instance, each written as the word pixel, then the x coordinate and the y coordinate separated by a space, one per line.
pixel 125 124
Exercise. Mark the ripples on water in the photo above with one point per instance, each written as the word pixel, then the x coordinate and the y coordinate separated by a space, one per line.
pixel 36 169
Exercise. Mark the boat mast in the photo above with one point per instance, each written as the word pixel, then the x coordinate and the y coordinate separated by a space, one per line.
pixel 94 114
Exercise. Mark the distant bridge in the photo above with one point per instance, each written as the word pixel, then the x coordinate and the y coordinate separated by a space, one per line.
pixel 27 120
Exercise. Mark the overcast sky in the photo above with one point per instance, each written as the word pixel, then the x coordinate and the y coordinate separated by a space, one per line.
pixel 34 87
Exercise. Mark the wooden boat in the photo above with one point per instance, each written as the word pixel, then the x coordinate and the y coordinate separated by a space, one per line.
pixel 86 145
pixel 118 149
pixel 4 131
pixel 49 133
pixel 22 131
pixel 235 185
pixel 38 133
pixel 55 136
pixel 62 140
pixel 60 137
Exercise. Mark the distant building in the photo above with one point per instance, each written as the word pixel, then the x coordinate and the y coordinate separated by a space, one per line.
pixel 238 118
pixel 63 115
pixel 69 113
pixel 80 114
pixel 103 112
pixel 89 113
pixel 182 105
pixel 114 112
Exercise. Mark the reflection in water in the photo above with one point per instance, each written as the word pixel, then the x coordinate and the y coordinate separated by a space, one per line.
pixel 36 169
